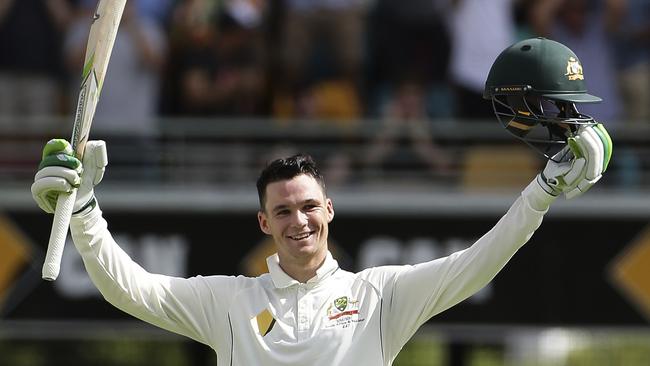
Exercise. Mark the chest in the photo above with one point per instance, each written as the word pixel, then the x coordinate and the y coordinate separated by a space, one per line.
pixel 321 325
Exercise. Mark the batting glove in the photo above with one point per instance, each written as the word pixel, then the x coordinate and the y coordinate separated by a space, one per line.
pixel 580 164
pixel 60 171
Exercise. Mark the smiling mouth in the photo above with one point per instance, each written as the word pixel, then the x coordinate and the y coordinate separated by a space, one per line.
pixel 301 236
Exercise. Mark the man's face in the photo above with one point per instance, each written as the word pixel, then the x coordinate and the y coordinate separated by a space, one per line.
pixel 296 214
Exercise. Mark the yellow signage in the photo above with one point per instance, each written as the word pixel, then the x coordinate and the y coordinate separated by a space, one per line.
pixel 631 272
pixel 15 253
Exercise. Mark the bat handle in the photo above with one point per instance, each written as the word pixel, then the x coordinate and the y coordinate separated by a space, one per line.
pixel 60 225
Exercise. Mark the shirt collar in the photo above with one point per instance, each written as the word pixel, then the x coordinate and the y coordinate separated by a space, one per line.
pixel 282 280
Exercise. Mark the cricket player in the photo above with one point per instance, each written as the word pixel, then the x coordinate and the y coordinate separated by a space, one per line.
pixel 307 310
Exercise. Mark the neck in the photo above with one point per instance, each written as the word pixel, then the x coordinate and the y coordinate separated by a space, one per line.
pixel 303 271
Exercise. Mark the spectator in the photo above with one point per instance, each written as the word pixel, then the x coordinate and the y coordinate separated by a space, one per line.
pixel 128 108
pixel 156 10
pixel 404 139
pixel 129 101
pixel 580 24
pixel 321 42
pixel 218 63
pixel 408 42
pixel 192 41
pixel 31 33
pixel 479 31
pixel 240 80
pixel 629 24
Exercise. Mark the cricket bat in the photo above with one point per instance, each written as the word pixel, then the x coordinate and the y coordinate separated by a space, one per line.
pixel 103 30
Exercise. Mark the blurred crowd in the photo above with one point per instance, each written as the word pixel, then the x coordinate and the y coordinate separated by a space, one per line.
pixel 339 60
pixel 397 62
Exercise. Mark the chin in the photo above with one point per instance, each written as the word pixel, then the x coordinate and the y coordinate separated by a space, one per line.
pixel 307 249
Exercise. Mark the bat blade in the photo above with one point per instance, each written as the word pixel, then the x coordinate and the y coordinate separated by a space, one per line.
pixel 101 38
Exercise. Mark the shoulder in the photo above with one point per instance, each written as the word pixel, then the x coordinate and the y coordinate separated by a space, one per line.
pixel 381 276
pixel 226 283
pixel 383 271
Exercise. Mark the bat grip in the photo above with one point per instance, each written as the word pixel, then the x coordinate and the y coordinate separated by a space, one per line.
pixel 60 225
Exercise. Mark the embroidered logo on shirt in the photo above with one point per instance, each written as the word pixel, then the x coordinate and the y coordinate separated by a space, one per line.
pixel 341 303
pixel 342 307
pixel 264 321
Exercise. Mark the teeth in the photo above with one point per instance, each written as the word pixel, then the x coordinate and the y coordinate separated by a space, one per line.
pixel 300 237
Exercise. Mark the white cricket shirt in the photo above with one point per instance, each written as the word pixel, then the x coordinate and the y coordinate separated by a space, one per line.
pixel 335 318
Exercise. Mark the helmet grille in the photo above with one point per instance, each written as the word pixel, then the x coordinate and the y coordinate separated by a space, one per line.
pixel 542 123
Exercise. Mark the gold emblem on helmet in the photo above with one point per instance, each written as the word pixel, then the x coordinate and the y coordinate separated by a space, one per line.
pixel 574 69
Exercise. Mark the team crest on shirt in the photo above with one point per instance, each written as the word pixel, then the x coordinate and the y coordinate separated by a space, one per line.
pixel 342 312
pixel 341 303
pixel 574 69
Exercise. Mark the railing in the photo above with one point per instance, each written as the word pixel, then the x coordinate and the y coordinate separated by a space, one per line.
pixel 226 153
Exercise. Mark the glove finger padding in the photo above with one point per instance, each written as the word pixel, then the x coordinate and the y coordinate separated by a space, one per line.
pixel 71 176
pixel 607 144
pixel 596 144
pixel 49 182
pixel 59 171
pixel 591 149
pixel 95 161
pixel 46 189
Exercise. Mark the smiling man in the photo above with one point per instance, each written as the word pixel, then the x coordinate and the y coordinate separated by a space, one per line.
pixel 295 211
pixel 307 310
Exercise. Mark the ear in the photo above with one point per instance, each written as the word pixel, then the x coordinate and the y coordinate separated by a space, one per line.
pixel 264 222
pixel 330 210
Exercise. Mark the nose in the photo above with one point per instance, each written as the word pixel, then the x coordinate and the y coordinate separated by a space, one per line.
pixel 299 218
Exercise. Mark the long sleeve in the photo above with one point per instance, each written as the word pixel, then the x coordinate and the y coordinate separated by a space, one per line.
pixel 195 307
pixel 414 294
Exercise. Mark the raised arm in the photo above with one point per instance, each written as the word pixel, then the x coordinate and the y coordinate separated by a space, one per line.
pixel 414 294
pixel 194 307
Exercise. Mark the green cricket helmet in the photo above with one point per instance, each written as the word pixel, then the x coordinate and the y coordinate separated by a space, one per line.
pixel 534 86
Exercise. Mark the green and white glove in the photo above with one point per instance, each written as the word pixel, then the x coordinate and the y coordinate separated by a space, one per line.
pixel 581 163
pixel 60 171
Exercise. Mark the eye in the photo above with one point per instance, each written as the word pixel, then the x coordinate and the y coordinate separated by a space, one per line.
pixel 282 213
pixel 310 207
